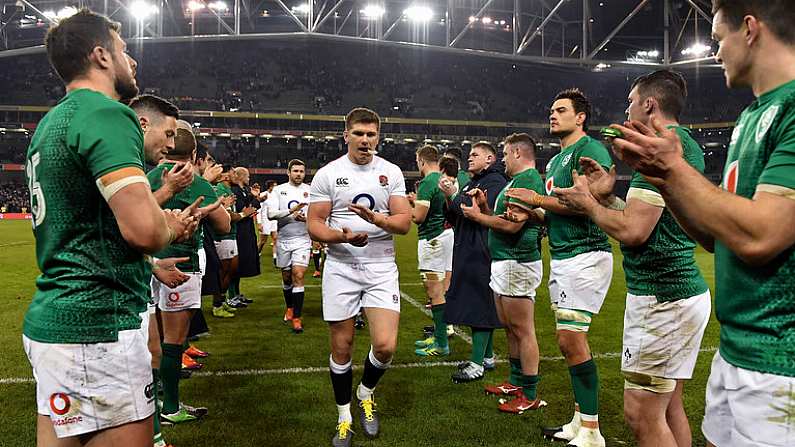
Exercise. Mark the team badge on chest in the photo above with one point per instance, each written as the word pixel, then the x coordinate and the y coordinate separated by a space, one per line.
pixel 384 180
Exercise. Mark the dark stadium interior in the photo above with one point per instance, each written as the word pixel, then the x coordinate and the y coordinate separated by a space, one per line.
pixel 289 77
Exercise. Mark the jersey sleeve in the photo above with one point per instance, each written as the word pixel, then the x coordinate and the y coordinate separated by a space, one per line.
pixel 204 188
pixel 425 193
pixel 597 152
pixel 320 188
pixel 109 139
pixel 531 181
pixel 778 177
pixel 397 184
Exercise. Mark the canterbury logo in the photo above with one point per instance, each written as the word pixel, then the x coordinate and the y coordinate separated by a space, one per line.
pixel 342 181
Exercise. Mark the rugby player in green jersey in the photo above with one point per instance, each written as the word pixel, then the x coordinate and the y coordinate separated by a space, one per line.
pixel 581 265
pixel 158 120
pixel 668 302
pixel 747 221
pixel 434 247
pixel 516 272
pixel 94 219
pixel 177 303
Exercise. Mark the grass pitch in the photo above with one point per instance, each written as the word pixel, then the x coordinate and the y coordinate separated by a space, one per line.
pixel 267 387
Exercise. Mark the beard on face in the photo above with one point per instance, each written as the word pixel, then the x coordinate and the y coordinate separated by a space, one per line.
pixel 560 133
pixel 126 88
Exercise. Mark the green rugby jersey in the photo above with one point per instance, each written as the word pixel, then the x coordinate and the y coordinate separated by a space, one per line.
pixel 523 245
pixel 222 190
pixel 756 304
pixel 570 236
pixel 199 187
pixel 92 283
pixel 463 178
pixel 664 265
pixel 429 195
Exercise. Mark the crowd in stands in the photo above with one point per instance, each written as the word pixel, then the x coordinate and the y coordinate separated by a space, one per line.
pixel 14 198
pixel 318 77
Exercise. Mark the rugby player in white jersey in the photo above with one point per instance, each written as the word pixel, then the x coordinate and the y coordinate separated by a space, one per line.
pixel 293 245
pixel 356 203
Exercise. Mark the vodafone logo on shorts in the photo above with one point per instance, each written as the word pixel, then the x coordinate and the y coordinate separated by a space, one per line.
pixel 173 300
pixel 60 403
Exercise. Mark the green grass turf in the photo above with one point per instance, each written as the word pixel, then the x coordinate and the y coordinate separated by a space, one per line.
pixel 419 406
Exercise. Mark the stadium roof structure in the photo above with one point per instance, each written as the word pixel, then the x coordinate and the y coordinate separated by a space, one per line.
pixel 598 34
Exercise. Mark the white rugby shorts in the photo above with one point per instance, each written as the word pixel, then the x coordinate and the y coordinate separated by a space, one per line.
pixel 511 278
pixel 183 297
pixel 89 387
pixel 346 288
pixel 296 251
pixel 663 339
pixel 581 282
pixel 436 255
pixel 226 248
pixel 747 408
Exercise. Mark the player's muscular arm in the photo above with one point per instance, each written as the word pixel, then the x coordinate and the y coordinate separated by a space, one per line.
pixel 419 213
pixel 316 225
pixel 497 223
pixel 756 230
pixel 632 225
pixel 140 219
pixel 220 220
pixel 399 219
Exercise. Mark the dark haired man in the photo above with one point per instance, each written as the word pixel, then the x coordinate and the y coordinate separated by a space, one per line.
pixel 581 265
pixel 470 301
pixel 177 304
pixel 747 221
pixel 294 246
pixel 516 272
pixel 665 289
pixel 434 247
pixel 357 202
pixel 94 219
pixel 456 154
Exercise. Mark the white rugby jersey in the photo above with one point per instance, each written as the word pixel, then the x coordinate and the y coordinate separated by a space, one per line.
pixel 343 182
pixel 270 203
pixel 287 196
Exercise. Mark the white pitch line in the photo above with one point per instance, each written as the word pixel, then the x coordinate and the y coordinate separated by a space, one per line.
pixel 421 307
pixel 317 369
pixel 317 286
pixel 14 244
pixel 323 369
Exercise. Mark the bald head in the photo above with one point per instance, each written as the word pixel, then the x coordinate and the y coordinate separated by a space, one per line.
pixel 241 175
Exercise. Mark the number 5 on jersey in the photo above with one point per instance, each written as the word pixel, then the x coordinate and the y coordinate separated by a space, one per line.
pixel 37 206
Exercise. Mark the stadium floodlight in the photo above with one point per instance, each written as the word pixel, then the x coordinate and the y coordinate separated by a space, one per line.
pixel 142 10
pixel 417 13
pixel 651 54
pixel 218 6
pixel 373 11
pixel 698 49
pixel 486 20
pixel 50 14
pixel 303 8
pixel 472 19
pixel 68 11
pixel 194 5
